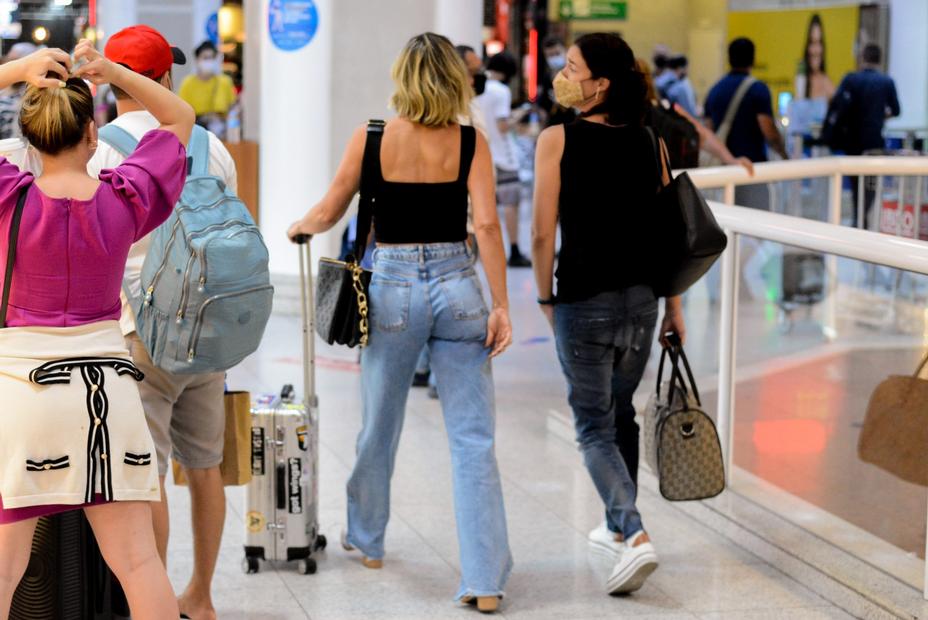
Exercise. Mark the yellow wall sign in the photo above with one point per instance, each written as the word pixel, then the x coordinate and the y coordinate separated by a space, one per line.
pixel 781 39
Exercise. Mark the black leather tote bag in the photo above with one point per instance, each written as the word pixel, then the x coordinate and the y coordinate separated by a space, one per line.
pixel 689 237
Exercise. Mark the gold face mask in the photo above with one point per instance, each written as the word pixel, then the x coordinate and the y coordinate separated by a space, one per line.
pixel 568 93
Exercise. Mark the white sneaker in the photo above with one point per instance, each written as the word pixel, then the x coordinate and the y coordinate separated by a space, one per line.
pixel 604 541
pixel 635 565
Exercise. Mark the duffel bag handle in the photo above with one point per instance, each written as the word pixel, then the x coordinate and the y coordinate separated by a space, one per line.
pixel 676 355
pixel 676 352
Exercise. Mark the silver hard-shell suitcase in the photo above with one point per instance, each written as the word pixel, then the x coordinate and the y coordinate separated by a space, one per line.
pixel 282 500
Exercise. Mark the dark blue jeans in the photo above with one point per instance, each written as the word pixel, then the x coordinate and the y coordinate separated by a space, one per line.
pixel 603 345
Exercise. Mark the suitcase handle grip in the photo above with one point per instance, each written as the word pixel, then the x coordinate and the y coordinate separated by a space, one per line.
pixel 281 486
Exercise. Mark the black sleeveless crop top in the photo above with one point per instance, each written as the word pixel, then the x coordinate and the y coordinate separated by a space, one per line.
pixel 412 213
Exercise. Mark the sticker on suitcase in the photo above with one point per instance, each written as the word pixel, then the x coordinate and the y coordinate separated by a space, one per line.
pixel 302 435
pixel 295 466
pixel 256 522
pixel 257 451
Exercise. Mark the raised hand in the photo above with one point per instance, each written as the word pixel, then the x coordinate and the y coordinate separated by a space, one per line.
pixel 47 68
pixel 92 66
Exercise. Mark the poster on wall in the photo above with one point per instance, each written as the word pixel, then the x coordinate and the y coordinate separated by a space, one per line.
pixel 802 55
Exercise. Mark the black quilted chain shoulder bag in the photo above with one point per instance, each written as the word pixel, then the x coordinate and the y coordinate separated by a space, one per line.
pixel 342 307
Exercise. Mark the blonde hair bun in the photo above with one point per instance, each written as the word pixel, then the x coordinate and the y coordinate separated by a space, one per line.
pixel 54 119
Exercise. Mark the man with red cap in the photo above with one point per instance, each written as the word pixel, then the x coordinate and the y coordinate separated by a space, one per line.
pixel 185 412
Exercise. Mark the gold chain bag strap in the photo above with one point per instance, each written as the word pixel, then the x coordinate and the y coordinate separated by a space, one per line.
pixel 356 278
pixel 342 307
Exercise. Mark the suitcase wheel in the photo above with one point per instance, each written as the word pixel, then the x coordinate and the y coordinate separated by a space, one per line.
pixel 321 543
pixel 306 567
pixel 250 566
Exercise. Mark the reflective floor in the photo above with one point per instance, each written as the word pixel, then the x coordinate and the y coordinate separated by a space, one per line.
pixel 706 571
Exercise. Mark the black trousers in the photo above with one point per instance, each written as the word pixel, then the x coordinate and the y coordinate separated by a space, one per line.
pixel 869 197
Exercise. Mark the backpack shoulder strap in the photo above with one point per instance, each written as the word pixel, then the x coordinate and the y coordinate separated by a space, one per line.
pixel 371 177
pixel 198 151
pixel 11 252
pixel 118 138
pixel 733 107
pixel 468 147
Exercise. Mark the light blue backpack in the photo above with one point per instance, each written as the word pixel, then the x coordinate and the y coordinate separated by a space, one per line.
pixel 206 292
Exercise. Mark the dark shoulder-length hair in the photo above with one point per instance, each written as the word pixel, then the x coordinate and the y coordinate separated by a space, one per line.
pixel 609 56
pixel 815 21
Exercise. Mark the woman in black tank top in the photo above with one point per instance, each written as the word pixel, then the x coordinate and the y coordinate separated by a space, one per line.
pixel 598 177
pixel 425 292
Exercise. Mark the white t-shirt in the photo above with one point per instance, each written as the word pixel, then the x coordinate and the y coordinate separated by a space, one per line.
pixel 496 103
pixel 138 124
pixel 475 118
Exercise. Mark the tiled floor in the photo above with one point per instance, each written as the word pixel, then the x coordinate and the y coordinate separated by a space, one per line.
pixel 550 500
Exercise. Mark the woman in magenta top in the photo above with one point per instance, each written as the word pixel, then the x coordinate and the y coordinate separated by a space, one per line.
pixel 74 434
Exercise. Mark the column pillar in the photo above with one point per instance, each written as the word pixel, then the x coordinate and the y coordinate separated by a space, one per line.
pixel 202 9
pixel 255 23
pixel 295 115
pixel 908 60
pixel 461 21
pixel 114 15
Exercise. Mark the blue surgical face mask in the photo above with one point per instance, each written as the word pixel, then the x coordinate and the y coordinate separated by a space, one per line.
pixel 557 63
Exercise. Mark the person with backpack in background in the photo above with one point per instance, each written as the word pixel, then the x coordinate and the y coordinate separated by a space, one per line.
pixel 74 433
pixel 859 109
pixel 739 109
pixel 684 136
pixel 185 413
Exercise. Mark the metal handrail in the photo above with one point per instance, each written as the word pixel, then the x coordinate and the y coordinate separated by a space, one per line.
pixel 792 170
pixel 827 237
pixel 862 245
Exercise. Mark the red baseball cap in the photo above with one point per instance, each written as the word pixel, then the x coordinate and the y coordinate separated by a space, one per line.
pixel 144 50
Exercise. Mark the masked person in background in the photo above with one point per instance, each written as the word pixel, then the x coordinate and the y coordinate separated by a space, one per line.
pixel 209 91
pixel 556 59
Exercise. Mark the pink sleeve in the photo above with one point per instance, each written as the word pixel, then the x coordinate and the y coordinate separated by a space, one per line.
pixel 12 179
pixel 150 181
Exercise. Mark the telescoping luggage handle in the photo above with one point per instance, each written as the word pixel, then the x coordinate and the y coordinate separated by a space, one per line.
pixel 675 350
pixel 309 320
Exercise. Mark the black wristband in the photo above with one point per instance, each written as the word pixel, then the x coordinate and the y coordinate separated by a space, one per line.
pixel 546 302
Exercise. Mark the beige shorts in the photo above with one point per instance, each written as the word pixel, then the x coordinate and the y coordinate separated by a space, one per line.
pixel 185 413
